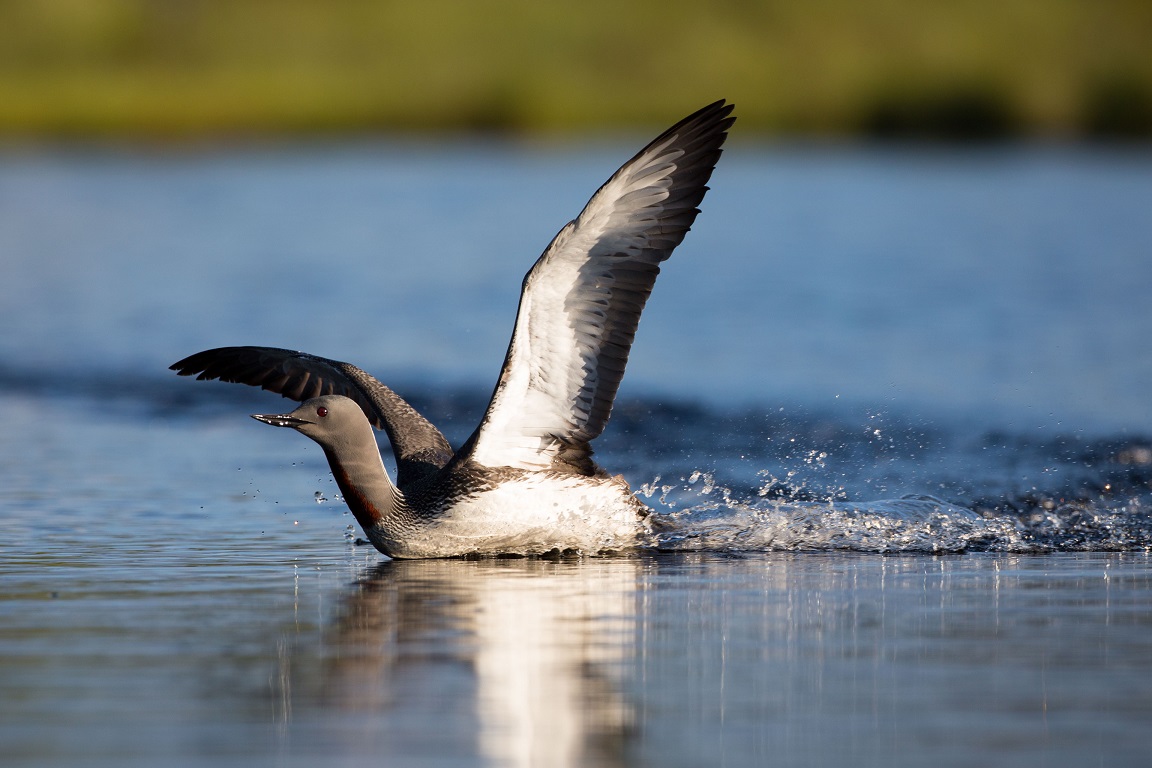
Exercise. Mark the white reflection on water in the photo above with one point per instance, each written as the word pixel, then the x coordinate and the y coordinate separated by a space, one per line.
pixel 518 661
pixel 548 650
pixel 689 659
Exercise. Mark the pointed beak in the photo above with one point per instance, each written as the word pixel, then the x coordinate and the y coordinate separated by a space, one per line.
pixel 280 420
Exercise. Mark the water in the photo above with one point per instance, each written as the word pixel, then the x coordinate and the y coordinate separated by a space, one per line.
pixel 892 407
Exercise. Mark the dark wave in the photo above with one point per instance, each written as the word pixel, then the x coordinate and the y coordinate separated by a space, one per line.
pixel 786 477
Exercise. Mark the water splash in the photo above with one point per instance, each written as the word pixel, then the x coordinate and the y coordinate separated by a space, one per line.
pixel 700 514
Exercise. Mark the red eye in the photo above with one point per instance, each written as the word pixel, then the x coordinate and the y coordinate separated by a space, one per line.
pixel 321 411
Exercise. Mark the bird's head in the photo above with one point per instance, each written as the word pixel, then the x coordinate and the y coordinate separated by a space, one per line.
pixel 329 420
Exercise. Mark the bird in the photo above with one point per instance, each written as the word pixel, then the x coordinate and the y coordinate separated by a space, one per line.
pixel 524 482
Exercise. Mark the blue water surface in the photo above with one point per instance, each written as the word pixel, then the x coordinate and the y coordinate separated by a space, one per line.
pixel 1007 283
pixel 892 404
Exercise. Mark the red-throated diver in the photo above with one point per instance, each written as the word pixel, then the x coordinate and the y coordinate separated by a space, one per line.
pixel 524 482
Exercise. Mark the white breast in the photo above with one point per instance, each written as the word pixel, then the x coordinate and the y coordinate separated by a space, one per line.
pixel 535 514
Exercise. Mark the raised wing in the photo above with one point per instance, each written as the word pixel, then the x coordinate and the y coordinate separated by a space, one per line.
pixel 419 447
pixel 581 302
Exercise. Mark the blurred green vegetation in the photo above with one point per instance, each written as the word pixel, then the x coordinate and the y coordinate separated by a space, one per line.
pixel 959 69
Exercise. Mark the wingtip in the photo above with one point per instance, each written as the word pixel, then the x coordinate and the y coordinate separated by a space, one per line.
pixel 183 367
pixel 709 124
pixel 196 362
pixel 720 109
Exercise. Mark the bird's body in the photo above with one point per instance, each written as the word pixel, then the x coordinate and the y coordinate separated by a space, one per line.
pixel 465 508
pixel 489 512
pixel 524 482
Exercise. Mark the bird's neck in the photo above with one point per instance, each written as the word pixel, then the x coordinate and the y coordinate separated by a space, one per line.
pixel 377 504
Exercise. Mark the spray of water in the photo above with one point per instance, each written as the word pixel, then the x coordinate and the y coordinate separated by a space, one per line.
pixel 700 514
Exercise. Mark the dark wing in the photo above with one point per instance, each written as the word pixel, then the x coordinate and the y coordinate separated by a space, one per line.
pixel 582 300
pixel 419 447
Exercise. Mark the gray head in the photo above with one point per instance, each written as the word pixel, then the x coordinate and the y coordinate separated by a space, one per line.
pixel 329 420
